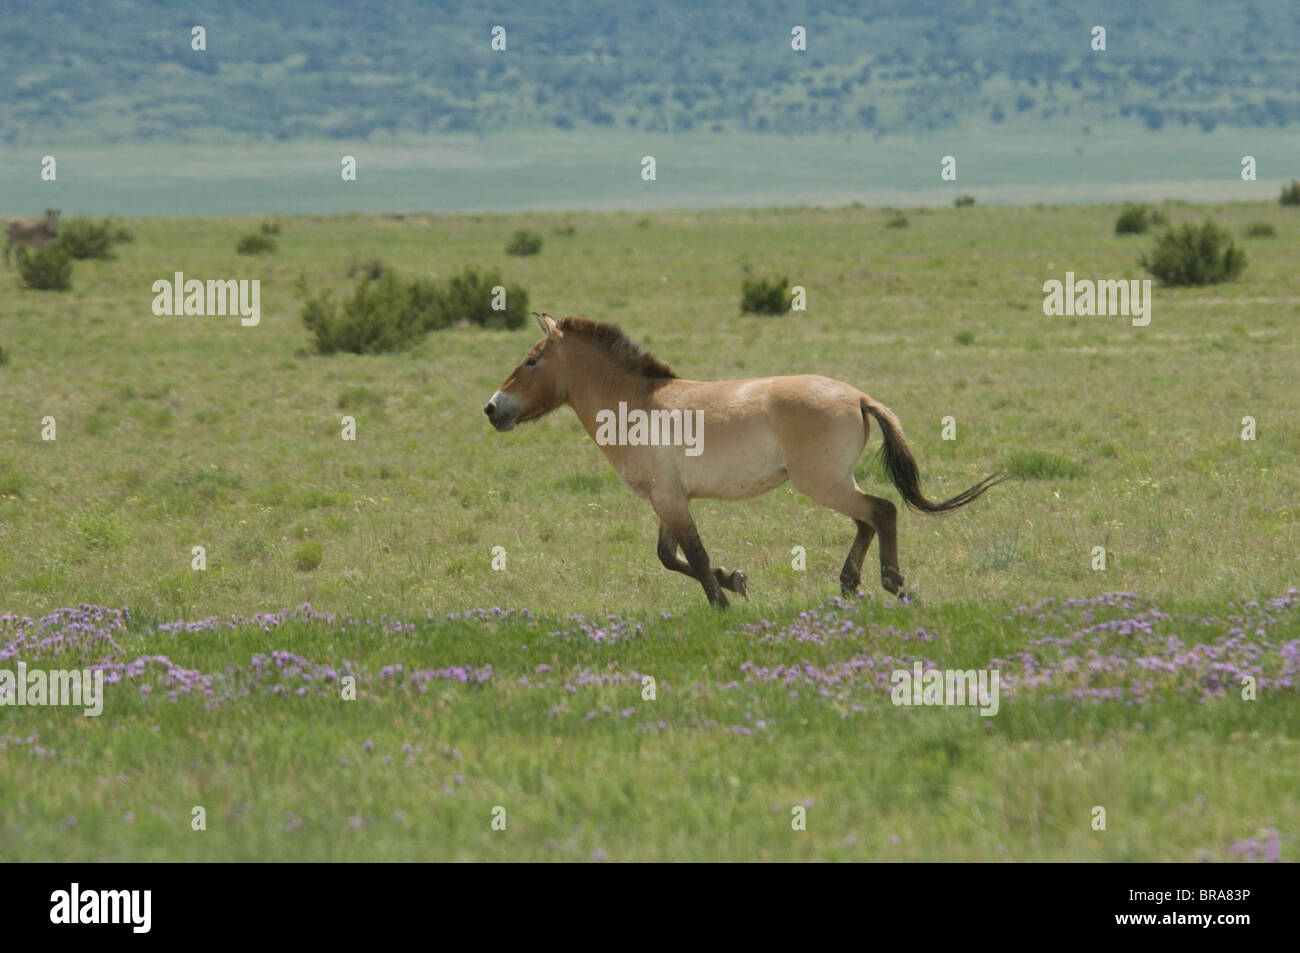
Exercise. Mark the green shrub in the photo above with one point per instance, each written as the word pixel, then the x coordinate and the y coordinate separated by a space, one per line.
pixel 524 242
pixel 376 318
pixel 963 200
pixel 389 313
pixel 1290 193
pixel 270 228
pixel 760 296
pixel 308 556
pixel 123 234
pixel 897 220
pixel 468 296
pixel 45 269
pixel 86 238
pixel 1195 255
pixel 4 358
pixel 255 243
pixel 1136 219
pixel 1261 230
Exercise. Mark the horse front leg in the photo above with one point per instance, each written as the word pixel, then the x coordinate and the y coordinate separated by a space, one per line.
pixel 676 517
pixel 735 580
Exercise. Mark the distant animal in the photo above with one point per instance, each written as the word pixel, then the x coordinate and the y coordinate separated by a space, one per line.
pixel 673 440
pixel 37 232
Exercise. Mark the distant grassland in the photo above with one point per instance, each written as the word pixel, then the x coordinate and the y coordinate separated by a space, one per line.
pixel 177 432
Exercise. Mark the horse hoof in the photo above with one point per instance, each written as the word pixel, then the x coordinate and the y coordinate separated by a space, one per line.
pixel 892 580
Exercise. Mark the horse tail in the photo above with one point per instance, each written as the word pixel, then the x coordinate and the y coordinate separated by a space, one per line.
pixel 902 468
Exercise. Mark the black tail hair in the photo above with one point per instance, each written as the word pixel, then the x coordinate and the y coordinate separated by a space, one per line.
pixel 902 468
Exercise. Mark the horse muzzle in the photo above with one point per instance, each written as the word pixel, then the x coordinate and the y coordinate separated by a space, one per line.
pixel 500 412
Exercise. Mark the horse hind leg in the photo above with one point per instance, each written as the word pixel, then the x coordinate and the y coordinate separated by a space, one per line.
pixel 851 574
pixel 736 581
pixel 880 517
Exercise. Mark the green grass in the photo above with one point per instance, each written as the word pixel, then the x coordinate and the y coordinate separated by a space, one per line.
pixel 188 431
pixel 1042 465
pixel 602 771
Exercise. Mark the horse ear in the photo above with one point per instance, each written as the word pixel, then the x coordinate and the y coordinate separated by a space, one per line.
pixel 548 325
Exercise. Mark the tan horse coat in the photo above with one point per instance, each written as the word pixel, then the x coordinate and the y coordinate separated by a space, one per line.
pixel 756 434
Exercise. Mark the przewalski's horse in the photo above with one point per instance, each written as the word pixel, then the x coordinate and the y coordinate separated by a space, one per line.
pixel 37 232
pixel 749 437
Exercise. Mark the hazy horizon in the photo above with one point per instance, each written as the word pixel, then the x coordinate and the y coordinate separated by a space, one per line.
pixel 529 171
pixel 240 109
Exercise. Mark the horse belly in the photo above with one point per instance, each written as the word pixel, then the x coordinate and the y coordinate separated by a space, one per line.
pixel 736 466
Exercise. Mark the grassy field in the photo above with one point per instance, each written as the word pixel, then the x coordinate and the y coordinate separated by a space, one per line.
pixel 179 432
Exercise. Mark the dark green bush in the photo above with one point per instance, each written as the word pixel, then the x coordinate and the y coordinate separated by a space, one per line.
pixel 1136 219
pixel 963 200
pixel 376 318
pixel 1290 193
pixel 468 296
pixel 389 313
pixel 1261 230
pixel 85 238
pixel 270 228
pixel 897 220
pixel 760 296
pixel 254 243
pixel 4 358
pixel 45 269
pixel 524 242
pixel 427 304
pixel 1195 255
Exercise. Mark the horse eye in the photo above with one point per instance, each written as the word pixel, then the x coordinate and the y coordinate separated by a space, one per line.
pixel 530 362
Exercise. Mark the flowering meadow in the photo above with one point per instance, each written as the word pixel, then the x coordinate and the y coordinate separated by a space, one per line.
pixel 668 736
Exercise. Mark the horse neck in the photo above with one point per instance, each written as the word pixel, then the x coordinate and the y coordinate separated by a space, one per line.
pixel 598 382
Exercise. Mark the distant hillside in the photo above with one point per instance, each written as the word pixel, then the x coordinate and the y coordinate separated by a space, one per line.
pixel 98 71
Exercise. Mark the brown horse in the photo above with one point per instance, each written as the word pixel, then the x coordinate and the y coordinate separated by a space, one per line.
pixel 673 440
pixel 36 232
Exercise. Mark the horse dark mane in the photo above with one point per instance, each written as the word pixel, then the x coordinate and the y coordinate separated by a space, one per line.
pixel 611 339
